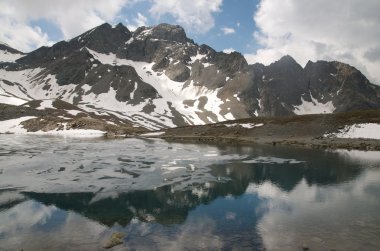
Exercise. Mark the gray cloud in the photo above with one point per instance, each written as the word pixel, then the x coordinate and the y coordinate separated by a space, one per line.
pixel 373 54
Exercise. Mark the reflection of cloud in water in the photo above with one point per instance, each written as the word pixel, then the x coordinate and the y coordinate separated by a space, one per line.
pixel 360 156
pixel 34 226
pixel 323 218
pixel 194 235
pixel 9 198
pixel 24 215
pixel 180 196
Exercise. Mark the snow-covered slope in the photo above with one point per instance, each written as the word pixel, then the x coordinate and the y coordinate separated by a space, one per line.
pixel 366 131
pixel 156 77
pixel 9 98
pixel 8 54
pixel 171 93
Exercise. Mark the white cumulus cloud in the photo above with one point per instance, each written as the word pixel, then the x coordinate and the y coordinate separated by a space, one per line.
pixel 345 30
pixel 196 15
pixel 71 18
pixel 21 36
pixel 228 30
pixel 139 21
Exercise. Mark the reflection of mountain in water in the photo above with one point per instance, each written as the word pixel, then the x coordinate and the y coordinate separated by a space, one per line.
pixel 165 206
pixel 316 167
pixel 286 176
pixel 159 205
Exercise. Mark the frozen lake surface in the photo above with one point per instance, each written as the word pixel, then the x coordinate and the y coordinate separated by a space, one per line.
pixel 61 193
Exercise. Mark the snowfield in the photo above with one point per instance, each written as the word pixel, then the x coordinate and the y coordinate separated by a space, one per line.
pixel 6 56
pixel 169 90
pixel 14 126
pixel 46 104
pixel 313 107
pixel 8 99
pixel 366 131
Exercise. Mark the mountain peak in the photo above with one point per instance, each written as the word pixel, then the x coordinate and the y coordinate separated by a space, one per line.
pixel 164 31
pixel 102 27
pixel 121 27
pixel 105 38
pixel 107 28
pixel 286 63
pixel 287 59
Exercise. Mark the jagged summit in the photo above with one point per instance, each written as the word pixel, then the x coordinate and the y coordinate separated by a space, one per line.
pixel 157 77
pixel 286 62
pixel 168 32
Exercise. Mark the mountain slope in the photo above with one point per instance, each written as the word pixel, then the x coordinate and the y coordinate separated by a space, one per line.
pixel 156 77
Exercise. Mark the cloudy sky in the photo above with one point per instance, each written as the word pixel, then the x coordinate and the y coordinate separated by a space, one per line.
pixel 263 30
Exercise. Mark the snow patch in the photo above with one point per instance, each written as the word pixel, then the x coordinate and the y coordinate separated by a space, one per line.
pixel 313 107
pixel 73 112
pixel 367 131
pixel 197 57
pixel 259 102
pixel 6 56
pixel 236 96
pixel 134 90
pixel 152 134
pixel 46 104
pixel 244 125
pixel 129 41
pixel 14 125
pixel 82 133
pixel 229 116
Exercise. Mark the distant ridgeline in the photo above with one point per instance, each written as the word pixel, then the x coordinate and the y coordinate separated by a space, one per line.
pixel 156 77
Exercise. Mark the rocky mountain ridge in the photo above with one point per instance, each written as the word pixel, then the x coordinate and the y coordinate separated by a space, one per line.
pixel 156 77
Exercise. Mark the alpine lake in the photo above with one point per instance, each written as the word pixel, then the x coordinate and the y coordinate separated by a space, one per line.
pixel 60 193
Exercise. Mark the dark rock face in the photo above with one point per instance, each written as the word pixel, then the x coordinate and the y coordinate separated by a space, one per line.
pixel 72 68
pixel 352 89
pixel 282 84
pixel 241 90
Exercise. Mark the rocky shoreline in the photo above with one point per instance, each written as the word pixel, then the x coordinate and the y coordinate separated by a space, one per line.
pixel 348 144
pixel 311 131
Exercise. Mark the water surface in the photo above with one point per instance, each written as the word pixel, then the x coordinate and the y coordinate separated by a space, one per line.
pixel 72 194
